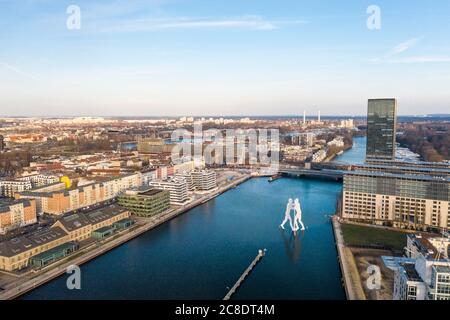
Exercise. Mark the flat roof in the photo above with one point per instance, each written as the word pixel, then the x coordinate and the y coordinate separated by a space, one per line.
pixel 24 243
pixel 410 271
pixel 104 213
pixel 393 167
pixel 399 176
pixel 6 203
pixel 152 192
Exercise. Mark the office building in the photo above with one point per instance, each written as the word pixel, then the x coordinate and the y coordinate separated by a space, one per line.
pixel 177 187
pixel 400 200
pixel 145 202
pixel 16 213
pixel 404 168
pixel 381 129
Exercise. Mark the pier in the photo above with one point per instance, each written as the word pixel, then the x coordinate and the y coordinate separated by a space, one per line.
pixel 261 254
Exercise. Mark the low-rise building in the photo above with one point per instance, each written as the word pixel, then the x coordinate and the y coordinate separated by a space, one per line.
pixel 47 245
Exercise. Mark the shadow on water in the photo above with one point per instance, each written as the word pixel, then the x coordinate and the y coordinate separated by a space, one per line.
pixel 292 244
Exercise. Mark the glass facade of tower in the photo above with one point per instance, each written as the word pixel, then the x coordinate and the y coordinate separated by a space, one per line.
pixel 381 129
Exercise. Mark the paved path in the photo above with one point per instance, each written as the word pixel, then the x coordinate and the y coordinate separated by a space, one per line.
pixel 352 280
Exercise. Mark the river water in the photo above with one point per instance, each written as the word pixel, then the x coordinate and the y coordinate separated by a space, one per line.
pixel 204 251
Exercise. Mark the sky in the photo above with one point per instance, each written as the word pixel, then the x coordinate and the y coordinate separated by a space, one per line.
pixel 219 58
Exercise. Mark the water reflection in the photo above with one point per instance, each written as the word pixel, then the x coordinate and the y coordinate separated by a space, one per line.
pixel 292 243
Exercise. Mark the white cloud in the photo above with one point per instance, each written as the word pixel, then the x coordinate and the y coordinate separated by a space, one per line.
pixel 420 59
pixel 402 47
pixel 395 54
pixel 242 22
pixel 18 71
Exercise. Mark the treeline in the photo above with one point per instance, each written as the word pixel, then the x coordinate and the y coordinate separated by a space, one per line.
pixel 431 141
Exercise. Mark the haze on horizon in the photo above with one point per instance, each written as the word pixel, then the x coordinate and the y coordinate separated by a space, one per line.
pixel 198 57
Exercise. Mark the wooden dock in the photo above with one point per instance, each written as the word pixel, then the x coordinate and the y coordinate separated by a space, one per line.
pixel 261 254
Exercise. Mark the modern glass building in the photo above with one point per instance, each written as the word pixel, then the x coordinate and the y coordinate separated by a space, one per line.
pixel 381 129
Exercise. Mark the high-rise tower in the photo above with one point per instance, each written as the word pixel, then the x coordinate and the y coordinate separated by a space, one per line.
pixel 381 129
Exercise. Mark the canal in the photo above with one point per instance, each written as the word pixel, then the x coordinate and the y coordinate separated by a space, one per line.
pixel 201 253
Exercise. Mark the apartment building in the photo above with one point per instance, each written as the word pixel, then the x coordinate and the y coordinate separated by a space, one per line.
pixel 204 179
pixel 9 187
pixel 177 187
pixel 16 213
pixel 63 201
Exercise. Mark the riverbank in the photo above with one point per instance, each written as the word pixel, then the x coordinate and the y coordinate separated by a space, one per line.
pixel 350 274
pixel 26 284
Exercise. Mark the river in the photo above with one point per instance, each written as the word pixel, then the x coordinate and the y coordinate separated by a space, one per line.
pixel 201 253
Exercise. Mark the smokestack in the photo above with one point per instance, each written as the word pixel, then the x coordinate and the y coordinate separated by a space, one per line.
pixel 304 116
pixel 318 118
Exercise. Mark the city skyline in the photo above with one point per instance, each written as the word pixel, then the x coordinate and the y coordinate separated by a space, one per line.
pixel 173 58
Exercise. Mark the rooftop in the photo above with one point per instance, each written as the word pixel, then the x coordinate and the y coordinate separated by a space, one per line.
pixel 398 176
pixel 27 242
pixel 409 270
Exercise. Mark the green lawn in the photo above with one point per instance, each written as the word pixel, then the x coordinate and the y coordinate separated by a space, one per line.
pixel 360 235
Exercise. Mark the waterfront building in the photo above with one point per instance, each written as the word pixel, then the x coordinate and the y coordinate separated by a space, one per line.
pixel 400 200
pixel 204 179
pixel 398 167
pixel 412 164
pixel 47 245
pixel 177 187
pixel 146 201
pixel 427 275
pixel 16 213
pixel 189 180
pixel 381 129
pixel 16 253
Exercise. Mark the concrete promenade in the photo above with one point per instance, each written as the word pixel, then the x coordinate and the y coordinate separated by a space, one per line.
pixel 350 274
pixel 28 283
